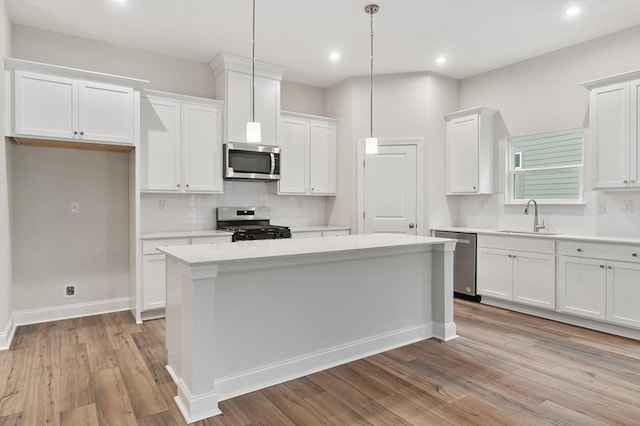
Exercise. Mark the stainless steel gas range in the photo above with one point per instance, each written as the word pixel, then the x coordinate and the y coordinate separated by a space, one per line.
pixel 250 223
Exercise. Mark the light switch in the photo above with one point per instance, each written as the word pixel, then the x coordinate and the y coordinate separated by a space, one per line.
pixel 627 206
pixel 75 207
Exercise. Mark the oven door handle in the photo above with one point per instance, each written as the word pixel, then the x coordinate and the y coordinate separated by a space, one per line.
pixel 273 163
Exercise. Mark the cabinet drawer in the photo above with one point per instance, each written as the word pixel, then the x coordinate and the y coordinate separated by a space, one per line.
pixel 622 252
pixel 536 245
pixel 306 234
pixel 149 247
pixel 211 240
pixel 335 233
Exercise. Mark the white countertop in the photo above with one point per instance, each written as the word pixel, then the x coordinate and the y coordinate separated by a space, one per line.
pixel 243 250
pixel 215 232
pixel 560 236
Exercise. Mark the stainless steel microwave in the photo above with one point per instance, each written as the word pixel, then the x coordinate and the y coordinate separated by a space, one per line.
pixel 250 161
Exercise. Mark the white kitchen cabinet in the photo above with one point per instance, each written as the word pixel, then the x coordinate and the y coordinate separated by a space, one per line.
pixel 49 106
pixel 517 269
pixel 469 161
pixel 308 158
pixel 614 121
pixel 600 281
pixel 320 233
pixel 181 143
pixel 234 86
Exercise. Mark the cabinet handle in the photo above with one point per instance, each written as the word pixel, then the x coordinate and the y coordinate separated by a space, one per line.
pixel 601 266
pixel 625 181
pixel 610 267
pixel 177 185
pixel 632 181
pixel 514 256
pixel 475 188
pixel 187 185
pixel 509 256
pixel 75 132
pixel 634 254
pixel 579 250
pixel 81 133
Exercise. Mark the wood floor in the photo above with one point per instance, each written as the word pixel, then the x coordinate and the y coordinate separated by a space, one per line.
pixel 505 368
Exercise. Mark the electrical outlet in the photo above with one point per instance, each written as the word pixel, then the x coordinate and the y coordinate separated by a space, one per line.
pixel 627 206
pixel 162 205
pixel 75 207
pixel 602 207
pixel 69 290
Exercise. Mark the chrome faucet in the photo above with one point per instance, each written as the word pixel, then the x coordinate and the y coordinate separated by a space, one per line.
pixel 536 226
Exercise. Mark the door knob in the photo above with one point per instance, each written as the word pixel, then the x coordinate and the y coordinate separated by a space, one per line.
pixel 411 225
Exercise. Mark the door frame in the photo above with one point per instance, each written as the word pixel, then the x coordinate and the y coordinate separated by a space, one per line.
pixel 420 183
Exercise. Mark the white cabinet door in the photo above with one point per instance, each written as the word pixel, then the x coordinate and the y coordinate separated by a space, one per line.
pixel 534 279
pixel 322 158
pixel 160 145
pixel 462 154
pixel 45 105
pixel 294 156
pixel 582 287
pixel 610 126
pixel 267 98
pixel 238 99
pixel 106 113
pixel 634 153
pixel 202 148
pixel 495 273
pixel 153 281
pixel 623 293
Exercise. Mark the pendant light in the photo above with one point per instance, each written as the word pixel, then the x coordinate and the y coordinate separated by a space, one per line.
pixel 371 143
pixel 254 133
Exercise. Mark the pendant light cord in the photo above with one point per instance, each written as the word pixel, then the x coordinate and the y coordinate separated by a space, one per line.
pixel 253 65
pixel 371 78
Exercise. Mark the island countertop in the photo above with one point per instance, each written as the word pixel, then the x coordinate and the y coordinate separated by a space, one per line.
pixel 243 250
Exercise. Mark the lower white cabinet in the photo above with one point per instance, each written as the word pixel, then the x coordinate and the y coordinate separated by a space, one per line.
pixel 600 281
pixel 506 271
pixel 318 234
pixel 154 267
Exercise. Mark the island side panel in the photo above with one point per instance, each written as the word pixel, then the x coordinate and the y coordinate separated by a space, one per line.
pixel 445 327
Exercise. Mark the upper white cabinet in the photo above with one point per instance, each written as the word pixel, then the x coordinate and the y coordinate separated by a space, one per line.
pixel 56 103
pixel 308 159
pixel 234 86
pixel 614 122
pixel 181 143
pixel 469 160
pixel 517 269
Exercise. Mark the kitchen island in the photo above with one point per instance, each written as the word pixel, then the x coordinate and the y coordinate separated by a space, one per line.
pixel 246 315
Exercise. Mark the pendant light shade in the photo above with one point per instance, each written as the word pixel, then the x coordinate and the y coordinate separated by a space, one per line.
pixel 254 133
pixel 371 143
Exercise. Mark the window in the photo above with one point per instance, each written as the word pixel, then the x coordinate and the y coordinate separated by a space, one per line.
pixel 546 167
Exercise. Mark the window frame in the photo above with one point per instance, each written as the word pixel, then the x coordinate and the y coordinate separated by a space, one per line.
pixel 511 172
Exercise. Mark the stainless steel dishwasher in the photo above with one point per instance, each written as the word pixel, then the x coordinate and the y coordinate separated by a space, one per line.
pixel 464 262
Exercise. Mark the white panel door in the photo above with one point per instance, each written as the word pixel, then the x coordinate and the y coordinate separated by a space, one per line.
pixel 495 273
pixel 160 145
pixel 294 157
pixel 202 148
pixel 106 113
pixel 45 106
pixel 582 287
pixel 610 128
pixel 462 154
pixel 534 279
pixel 623 293
pixel 238 106
pixel 322 159
pixel 390 190
pixel 634 154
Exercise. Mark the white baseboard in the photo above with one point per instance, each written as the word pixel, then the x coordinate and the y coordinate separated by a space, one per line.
pixel 6 336
pixel 445 332
pixel 55 313
pixel 249 381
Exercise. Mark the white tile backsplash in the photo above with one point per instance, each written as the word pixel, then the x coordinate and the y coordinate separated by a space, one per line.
pixel 490 212
pixel 195 212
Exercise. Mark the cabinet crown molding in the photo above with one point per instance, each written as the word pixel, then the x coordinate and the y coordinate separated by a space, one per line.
pixel 182 98
pixel 22 65
pixel 227 61
pixel 475 110
pixel 612 79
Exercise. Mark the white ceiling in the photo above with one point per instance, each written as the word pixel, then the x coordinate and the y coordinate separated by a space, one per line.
pixel 474 35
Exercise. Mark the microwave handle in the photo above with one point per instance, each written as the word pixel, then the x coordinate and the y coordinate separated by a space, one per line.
pixel 273 163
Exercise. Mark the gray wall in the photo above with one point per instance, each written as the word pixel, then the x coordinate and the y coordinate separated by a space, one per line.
pixel 541 95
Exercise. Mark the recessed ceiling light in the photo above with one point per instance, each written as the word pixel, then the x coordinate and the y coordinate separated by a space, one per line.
pixel 334 56
pixel 441 60
pixel 572 11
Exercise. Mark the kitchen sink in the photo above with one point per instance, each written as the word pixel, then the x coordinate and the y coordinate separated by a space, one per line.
pixel 506 231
